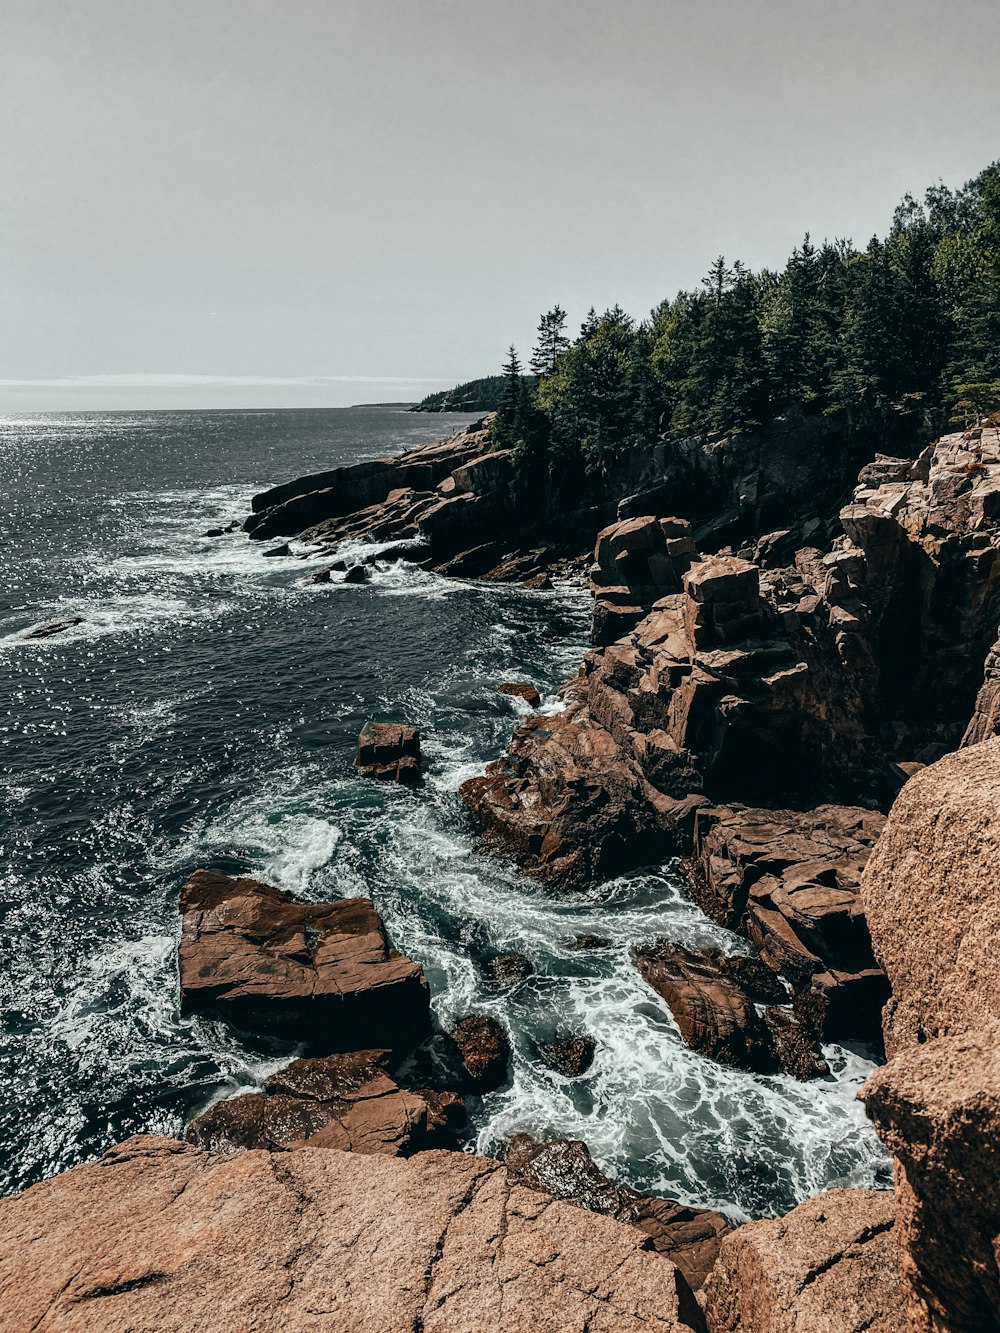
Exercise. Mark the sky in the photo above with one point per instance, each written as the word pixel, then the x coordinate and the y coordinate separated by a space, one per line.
pixel 301 203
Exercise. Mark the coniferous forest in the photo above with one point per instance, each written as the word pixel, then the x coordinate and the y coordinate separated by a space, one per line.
pixel 889 343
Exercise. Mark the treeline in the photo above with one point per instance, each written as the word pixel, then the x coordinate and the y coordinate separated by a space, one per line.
pixel 896 340
pixel 485 395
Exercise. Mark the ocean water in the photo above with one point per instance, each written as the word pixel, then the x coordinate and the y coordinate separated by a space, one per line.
pixel 204 712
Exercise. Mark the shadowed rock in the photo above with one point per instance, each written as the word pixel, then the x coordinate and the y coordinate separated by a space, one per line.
pixel 484 1050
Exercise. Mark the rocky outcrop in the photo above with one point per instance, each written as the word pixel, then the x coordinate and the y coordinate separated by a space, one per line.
pixel 636 561
pixel 790 881
pixel 564 1168
pixel 346 1101
pixel 714 999
pixel 294 506
pixel 389 751
pixel 829 1266
pixel 321 974
pixel 930 892
pixel 986 717
pixel 157 1236
pixel 937 1107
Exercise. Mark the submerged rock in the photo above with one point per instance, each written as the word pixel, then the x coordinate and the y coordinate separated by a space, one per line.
pixel 506 969
pixel 159 1235
pixel 564 1168
pixel 831 1265
pixel 53 627
pixel 321 974
pixel 484 1048
pixel 390 751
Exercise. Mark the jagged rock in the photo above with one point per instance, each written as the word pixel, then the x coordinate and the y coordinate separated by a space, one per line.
pixel 714 997
pixel 320 575
pixel 282 550
pixel 484 1049
pixel 390 751
pixel 636 561
pixel 53 627
pixel 356 574
pixel 571 1056
pixel 790 881
pixel 506 969
pixel 564 1168
pixel 161 1236
pixel 831 1265
pixel 523 691
pixel 931 898
pixel 322 974
pixel 937 1107
pixel 343 1101
pixel 986 718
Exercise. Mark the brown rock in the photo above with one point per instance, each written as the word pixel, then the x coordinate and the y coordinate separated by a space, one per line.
pixel 713 998
pixel 930 894
pixel 318 973
pixel 831 1265
pixel 523 691
pixel 564 1168
pixel 589 942
pixel 343 1101
pixel 937 1107
pixel 506 969
pixel 160 1236
pixel 485 1052
pixel 390 751
pixel 571 1056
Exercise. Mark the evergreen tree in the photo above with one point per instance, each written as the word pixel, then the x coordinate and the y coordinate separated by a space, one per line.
pixel 552 341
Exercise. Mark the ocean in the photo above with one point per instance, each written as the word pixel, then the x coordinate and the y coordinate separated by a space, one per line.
pixel 204 712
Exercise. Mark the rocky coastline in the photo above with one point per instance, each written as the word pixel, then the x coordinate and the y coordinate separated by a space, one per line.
pixel 791 690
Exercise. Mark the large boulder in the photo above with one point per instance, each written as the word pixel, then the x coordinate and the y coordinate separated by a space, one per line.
pixel 937 1107
pixel 932 898
pixel 831 1265
pixel 389 750
pixel 484 1052
pixel 321 974
pixel 159 1237
pixel 345 1101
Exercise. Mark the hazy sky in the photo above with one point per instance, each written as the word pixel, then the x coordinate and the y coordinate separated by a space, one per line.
pixel 318 202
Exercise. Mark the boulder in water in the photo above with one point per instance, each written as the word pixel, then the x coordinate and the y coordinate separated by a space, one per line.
pixel 571 1056
pixel 356 574
pixel 506 969
pixel 53 627
pixel 485 1052
pixel 521 690
pixel 282 550
pixel 390 751
pixel 321 974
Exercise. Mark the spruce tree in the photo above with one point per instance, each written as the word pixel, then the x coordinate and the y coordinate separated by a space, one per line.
pixel 552 341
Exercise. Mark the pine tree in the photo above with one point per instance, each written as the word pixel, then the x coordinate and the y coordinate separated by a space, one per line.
pixel 552 341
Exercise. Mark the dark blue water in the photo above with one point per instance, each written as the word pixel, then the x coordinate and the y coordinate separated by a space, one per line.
pixel 205 711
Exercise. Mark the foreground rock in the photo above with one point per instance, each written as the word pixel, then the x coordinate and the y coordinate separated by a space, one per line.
pixel 321 974
pixel 714 999
pixel 521 690
pixel 829 1266
pixel 937 1107
pixel 390 751
pixel 932 894
pixel 790 881
pixel 161 1236
pixel 571 1056
pixel 346 1101
pixel 564 1168
pixel 932 900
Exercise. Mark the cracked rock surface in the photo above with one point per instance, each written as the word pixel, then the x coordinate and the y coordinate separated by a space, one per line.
pixel 154 1238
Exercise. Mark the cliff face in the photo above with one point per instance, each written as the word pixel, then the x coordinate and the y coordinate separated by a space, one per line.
pixel 933 902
